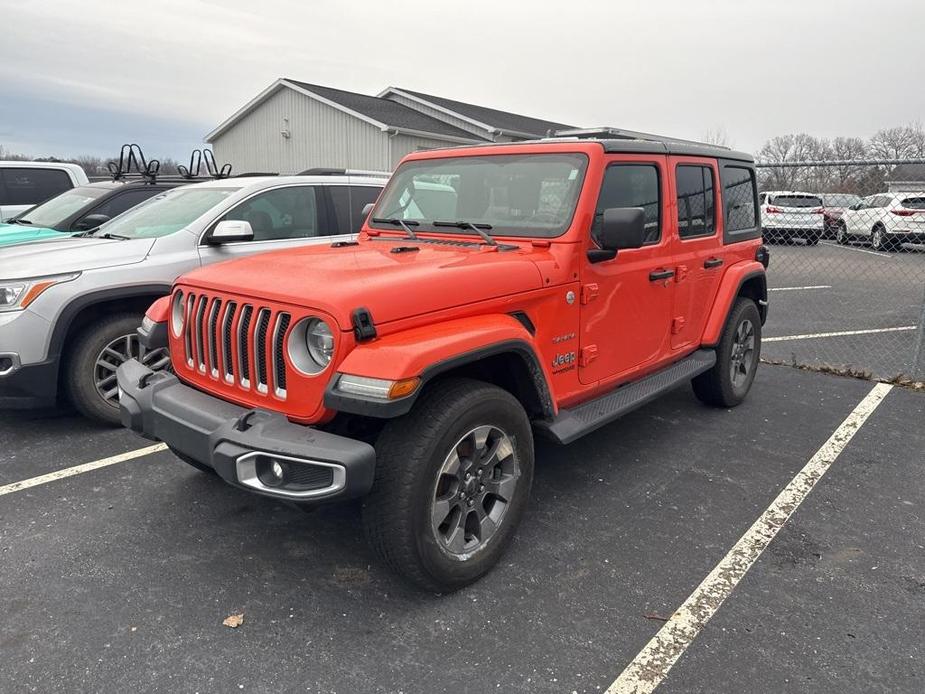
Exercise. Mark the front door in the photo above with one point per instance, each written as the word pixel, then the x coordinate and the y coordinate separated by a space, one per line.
pixel 626 302
pixel 281 218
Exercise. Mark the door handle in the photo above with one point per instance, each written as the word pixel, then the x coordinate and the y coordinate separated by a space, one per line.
pixel 712 262
pixel 657 275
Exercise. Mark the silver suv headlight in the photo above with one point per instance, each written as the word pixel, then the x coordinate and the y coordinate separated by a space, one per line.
pixel 16 295
pixel 311 345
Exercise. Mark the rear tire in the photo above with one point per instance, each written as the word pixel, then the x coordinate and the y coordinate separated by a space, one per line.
pixel 426 514
pixel 90 370
pixel 737 357
pixel 841 234
pixel 879 240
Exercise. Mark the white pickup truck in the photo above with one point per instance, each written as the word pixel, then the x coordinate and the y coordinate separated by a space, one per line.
pixel 24 184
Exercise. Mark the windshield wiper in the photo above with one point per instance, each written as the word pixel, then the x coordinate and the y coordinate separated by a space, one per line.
pixel 20 221
pixel 480 229
pixel 400 222
pixel 107 235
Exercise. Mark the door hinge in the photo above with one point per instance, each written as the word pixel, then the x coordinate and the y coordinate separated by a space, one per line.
pixel 677 325
pixel 587 355
pixel 588 292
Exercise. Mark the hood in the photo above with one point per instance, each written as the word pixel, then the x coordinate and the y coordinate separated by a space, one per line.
pixel 19 233
pixel 391 285
pixel 70 254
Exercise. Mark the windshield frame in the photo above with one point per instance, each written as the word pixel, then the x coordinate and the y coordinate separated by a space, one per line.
pixel 498 227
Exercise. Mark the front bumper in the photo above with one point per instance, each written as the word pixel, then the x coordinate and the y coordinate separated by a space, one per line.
pixel 240 443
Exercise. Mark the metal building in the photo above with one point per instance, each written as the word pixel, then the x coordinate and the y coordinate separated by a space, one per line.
pixel 292 126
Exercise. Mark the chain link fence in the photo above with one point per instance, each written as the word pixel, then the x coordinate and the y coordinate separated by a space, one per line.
pixel 847 274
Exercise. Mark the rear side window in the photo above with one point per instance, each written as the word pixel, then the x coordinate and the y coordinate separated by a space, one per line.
pixel 29 186
pixel 631 185
pixel 349 202
pixel 797 201
pixel 696 201
pixel 739 196
pixel 914 203
pixel 121 202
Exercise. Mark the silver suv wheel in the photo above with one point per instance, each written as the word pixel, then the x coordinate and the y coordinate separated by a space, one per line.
pixel 117 353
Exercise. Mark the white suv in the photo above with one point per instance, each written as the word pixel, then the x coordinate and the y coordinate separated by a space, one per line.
pixel 886 221
pixel 27 183
pixel 790 214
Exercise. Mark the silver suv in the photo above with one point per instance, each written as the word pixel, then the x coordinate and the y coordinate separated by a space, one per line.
pixel 69 308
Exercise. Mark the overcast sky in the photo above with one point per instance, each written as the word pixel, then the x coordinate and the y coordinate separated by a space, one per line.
pixel 84 76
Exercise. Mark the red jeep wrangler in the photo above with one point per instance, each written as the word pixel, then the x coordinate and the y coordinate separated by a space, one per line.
pixel 494 291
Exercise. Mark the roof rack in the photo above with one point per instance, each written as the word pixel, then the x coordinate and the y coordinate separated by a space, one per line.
pixel 323 171
pixel 252 174
pixel 606 133
pixel 212 167
pixel 131 157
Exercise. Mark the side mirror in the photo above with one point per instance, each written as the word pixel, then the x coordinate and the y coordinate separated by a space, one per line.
pixel 621 228
pixel 91 221
pixel 230 231
pixel 367 208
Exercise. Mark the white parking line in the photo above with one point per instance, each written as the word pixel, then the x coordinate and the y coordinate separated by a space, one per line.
pixel 799 289
pixel 80 469
pixel 859 250
pixel 841 333
pixel 651 666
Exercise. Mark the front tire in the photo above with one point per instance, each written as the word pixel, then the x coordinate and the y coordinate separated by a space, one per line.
pixel 737 357
pixel 452 482
pixel 878 239
pixel 90 372
pixel 841 234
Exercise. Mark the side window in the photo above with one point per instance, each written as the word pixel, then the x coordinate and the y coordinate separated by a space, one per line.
pixel 284 213
pixel 27 186
pixel 696 201
pixel 631 185
pixel 349 202
pixel 121 202
pixel 739 199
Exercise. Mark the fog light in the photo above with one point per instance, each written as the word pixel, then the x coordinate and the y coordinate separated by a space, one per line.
pixel 277 469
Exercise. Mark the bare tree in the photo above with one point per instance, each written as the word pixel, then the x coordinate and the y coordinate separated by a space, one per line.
pixel 717 136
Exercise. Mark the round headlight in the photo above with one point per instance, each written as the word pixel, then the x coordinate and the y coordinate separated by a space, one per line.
pixel 320 341
pixel 176 314
pixel 311 345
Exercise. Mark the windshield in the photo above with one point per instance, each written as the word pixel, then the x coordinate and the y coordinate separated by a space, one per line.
pixel 53 212
pixel 165 214
pixel 796 201
pixel 840 200
pixel 515 194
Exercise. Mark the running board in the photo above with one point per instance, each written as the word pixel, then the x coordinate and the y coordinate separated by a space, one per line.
pixel 582 419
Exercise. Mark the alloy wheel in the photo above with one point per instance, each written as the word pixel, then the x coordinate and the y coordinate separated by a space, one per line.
pixel 117 353
pixel 743 353
pixel 474 488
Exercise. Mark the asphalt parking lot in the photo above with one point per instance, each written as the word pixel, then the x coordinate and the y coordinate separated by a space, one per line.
pixel 818 292
pixel 118 579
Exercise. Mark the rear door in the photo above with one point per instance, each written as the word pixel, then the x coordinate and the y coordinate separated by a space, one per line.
pixel 285 217
pixel 698 251
pixel 626 302
pixel 799 211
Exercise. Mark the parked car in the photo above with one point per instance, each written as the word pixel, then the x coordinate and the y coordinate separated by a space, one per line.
pixel 834 206
pixel 82 209
pixel 27 183
pixel 788 215
pixel 886 221
pixel 69 307
pixel 564 284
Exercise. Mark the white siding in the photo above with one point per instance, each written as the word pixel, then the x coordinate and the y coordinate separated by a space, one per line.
pixel 439 115
pixel 319 136
pixel 405 144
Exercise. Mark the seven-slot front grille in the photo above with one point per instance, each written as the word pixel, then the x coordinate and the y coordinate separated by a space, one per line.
pixel 241 343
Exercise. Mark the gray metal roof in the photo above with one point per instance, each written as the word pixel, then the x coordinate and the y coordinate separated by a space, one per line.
pixel 385 111
pixel 908 173
pixel 500 120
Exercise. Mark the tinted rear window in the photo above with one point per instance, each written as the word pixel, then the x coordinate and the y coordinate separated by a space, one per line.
pixel 28 186
pixel 796 201
pixel 914 203
pixel 840 200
